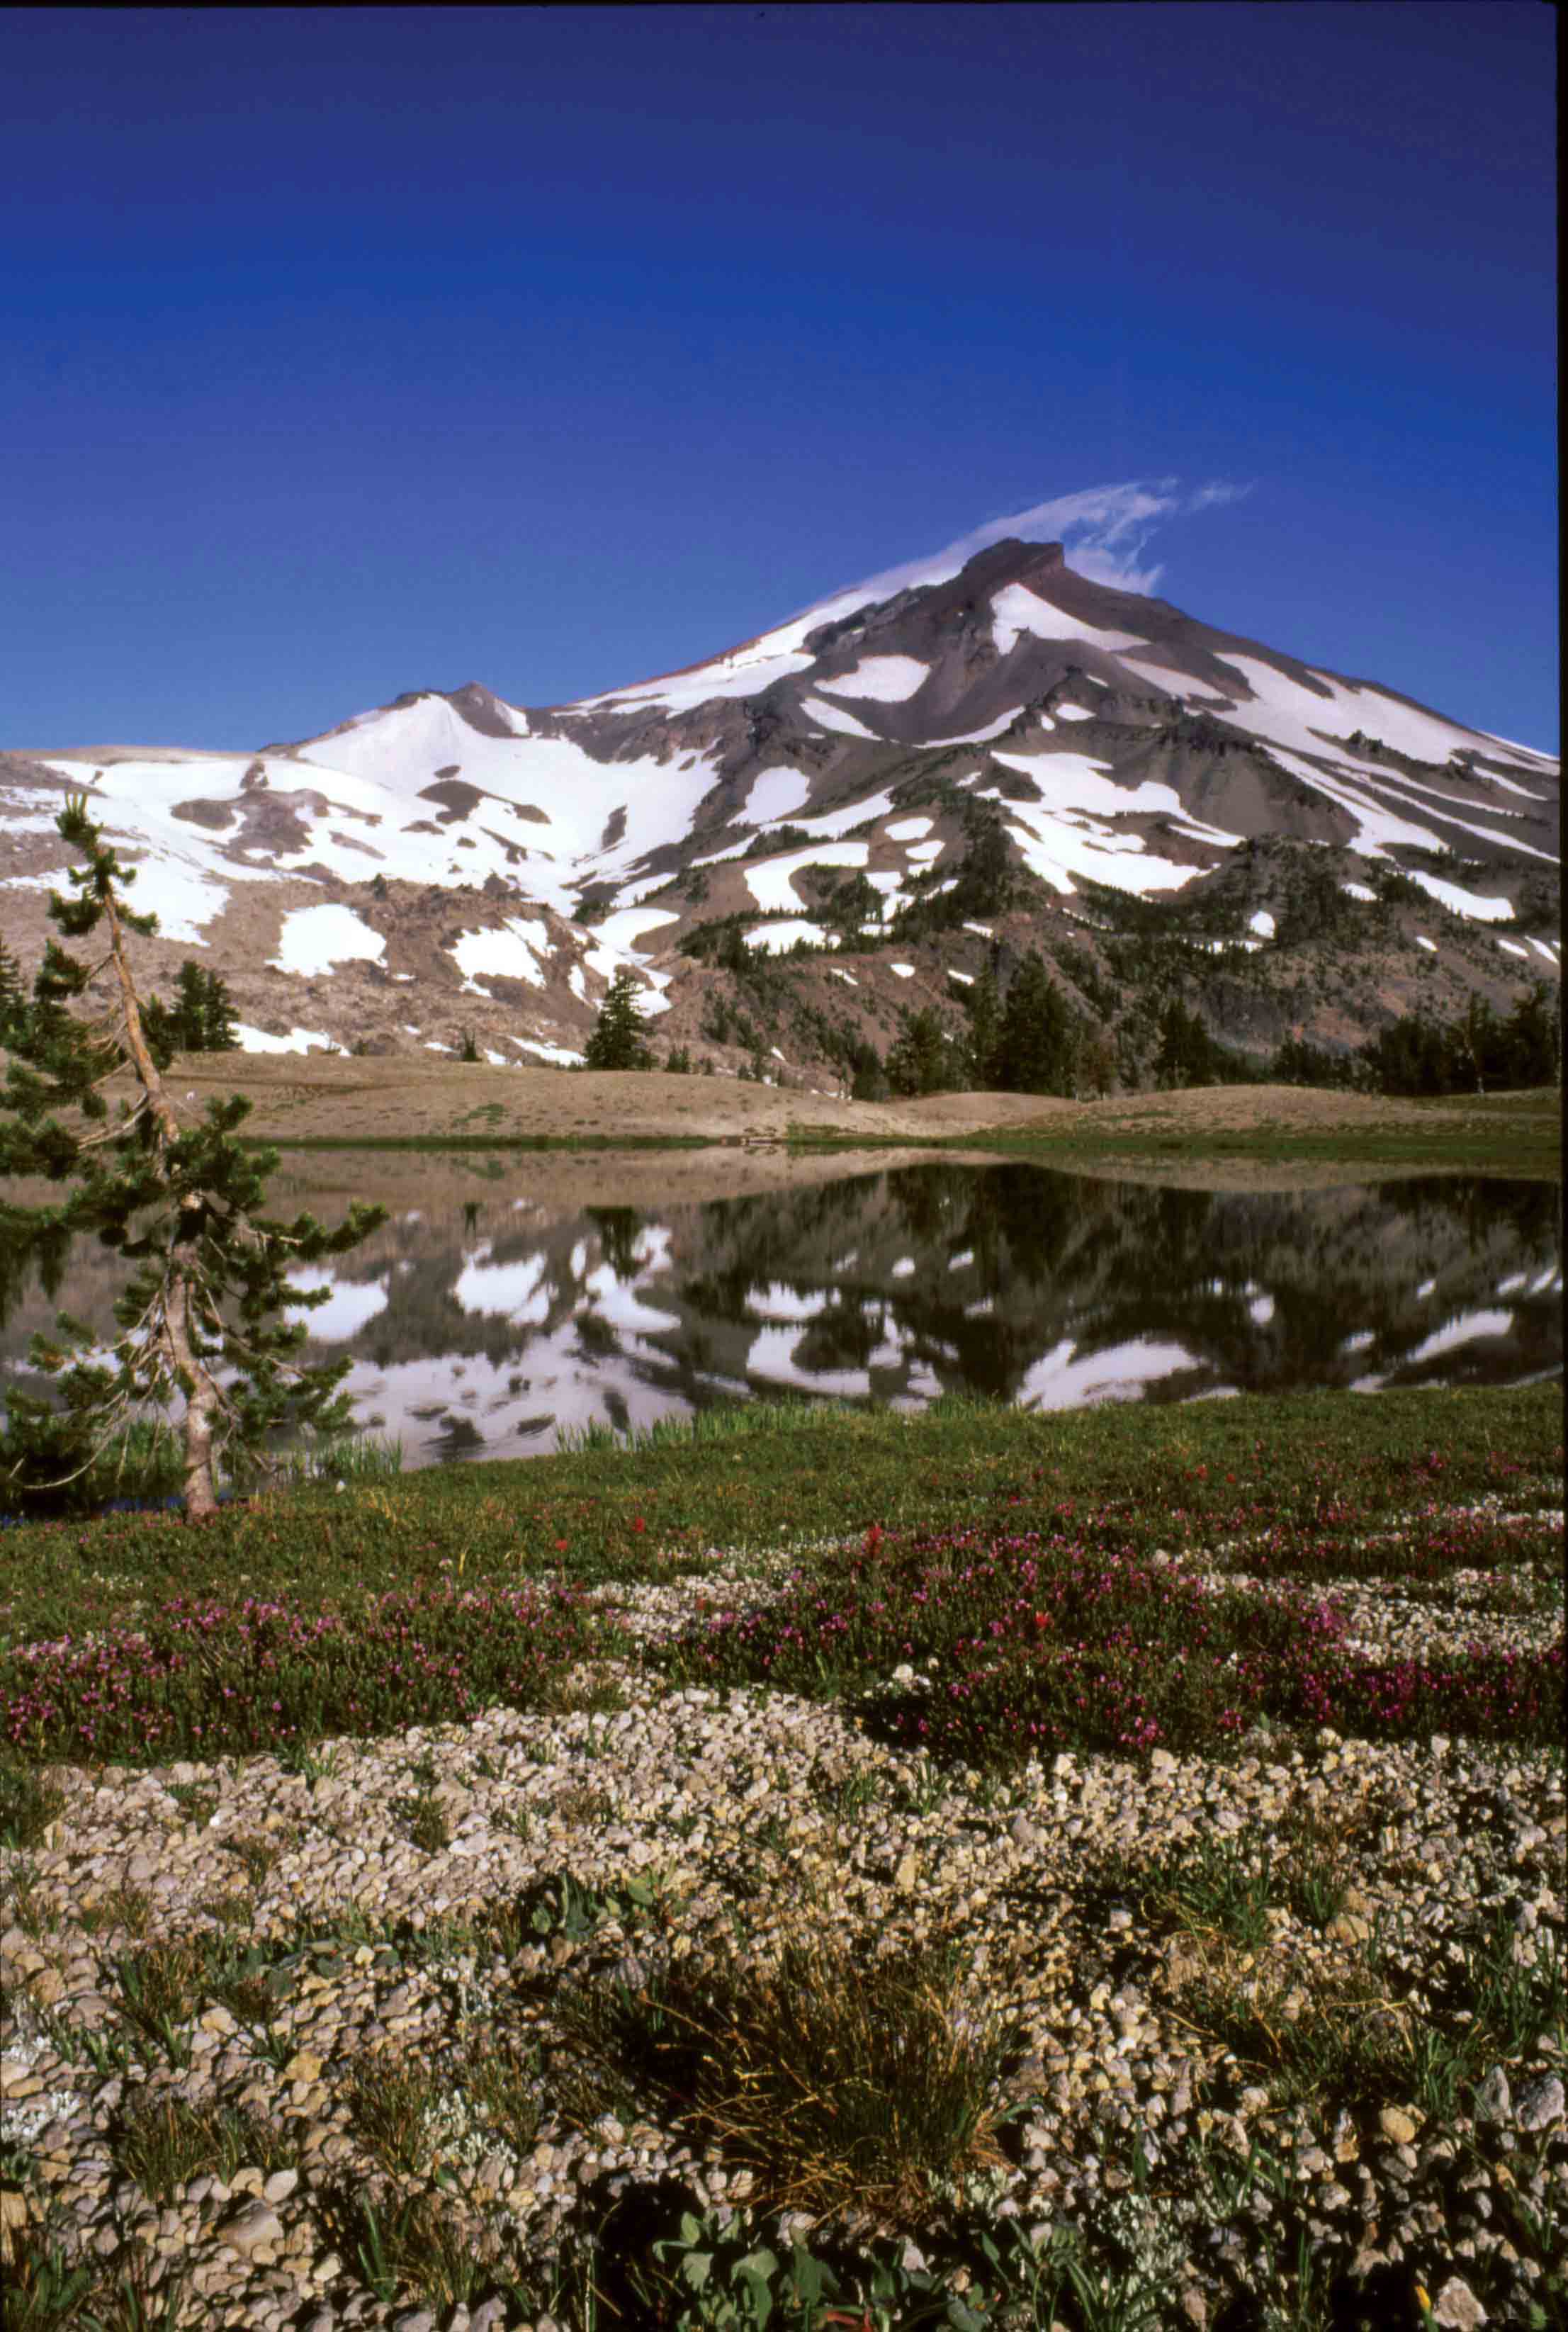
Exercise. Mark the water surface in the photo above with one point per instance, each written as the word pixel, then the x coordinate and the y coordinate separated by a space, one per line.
pixel 476 1326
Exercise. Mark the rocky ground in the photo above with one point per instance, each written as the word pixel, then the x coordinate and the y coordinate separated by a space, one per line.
pixel 253 2013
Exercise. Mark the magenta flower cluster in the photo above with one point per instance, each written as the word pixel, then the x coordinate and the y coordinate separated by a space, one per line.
pixel 1029 1642
pixel 204 1676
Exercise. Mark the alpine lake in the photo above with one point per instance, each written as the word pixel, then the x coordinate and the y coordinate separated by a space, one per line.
pixel 511 1299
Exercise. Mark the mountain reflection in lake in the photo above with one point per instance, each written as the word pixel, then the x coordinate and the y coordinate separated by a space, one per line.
pixel 474 1328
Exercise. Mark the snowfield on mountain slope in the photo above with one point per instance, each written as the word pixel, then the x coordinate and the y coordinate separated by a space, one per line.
pixel 1017 609
pixel 315 939
pixel 884 679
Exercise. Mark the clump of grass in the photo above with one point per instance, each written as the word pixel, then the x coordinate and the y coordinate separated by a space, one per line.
pixel 197 1805
pixel 723 1422
pixel 414 2248
pixel 256 1856
pixel 1343 2044
pixel 28 1803
pixel 234 1908
pixel 1215 1888
pixel 126 1906
pixel 161 1987
pixel 1315 1870
pixel 391 2107
pixel 165 2142
pixel 45 2290
pixel 838 2085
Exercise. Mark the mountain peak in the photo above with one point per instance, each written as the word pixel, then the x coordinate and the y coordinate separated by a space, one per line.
pixel 1012 561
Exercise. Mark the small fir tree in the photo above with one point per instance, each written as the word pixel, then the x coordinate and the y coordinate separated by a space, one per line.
pixel 617 1042
pixel 202 1314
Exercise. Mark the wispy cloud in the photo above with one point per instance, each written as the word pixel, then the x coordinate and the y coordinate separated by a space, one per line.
pixel 1105 530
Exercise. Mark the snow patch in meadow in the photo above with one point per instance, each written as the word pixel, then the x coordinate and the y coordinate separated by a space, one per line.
pixel 880 680
pixel 314 938
pixel 1512 947
pixel 1262 922
pixel 298 1040
pixel 560 1057
pixel 1422 942
pixel 1074 713
pixel 904 970
pixel 910 829
pixel 966 977
pixel 1359 891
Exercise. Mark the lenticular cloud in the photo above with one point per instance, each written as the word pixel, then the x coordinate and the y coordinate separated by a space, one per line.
pixel 1104 530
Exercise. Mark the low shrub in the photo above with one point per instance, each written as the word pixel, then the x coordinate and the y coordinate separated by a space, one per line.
pixel 204 1678
pixel 1033 1643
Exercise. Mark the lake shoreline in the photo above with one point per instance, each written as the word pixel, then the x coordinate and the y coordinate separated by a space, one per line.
pixel 370 1104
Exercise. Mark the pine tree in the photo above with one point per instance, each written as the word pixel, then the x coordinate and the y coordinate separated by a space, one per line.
pixel 202 1314
pixel 923 1059
pixel 616 1042
pixel 985 1031
pixel 201 1019
pixel 1037 1042
pixel 1186 1054
pixel 13 998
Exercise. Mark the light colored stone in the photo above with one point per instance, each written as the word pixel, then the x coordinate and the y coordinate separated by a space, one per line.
pixel 1494 2100
pixel 1541 2104
pixel 254 2228
pixel 1457 2309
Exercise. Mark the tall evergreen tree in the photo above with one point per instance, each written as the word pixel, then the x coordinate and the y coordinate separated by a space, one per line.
pixel 1186 1051
pixel 202 1316
pixel 1037 1042
pixel 617 1041
pixel 924 1057
pixel 985 1033
pixel 13 998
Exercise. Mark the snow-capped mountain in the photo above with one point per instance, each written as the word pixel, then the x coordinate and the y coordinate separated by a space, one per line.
pixel 497 863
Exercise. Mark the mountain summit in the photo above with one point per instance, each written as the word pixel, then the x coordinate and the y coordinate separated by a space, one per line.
pixel 1003 757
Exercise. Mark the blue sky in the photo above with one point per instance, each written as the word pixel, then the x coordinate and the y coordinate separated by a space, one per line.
pixel 343 352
